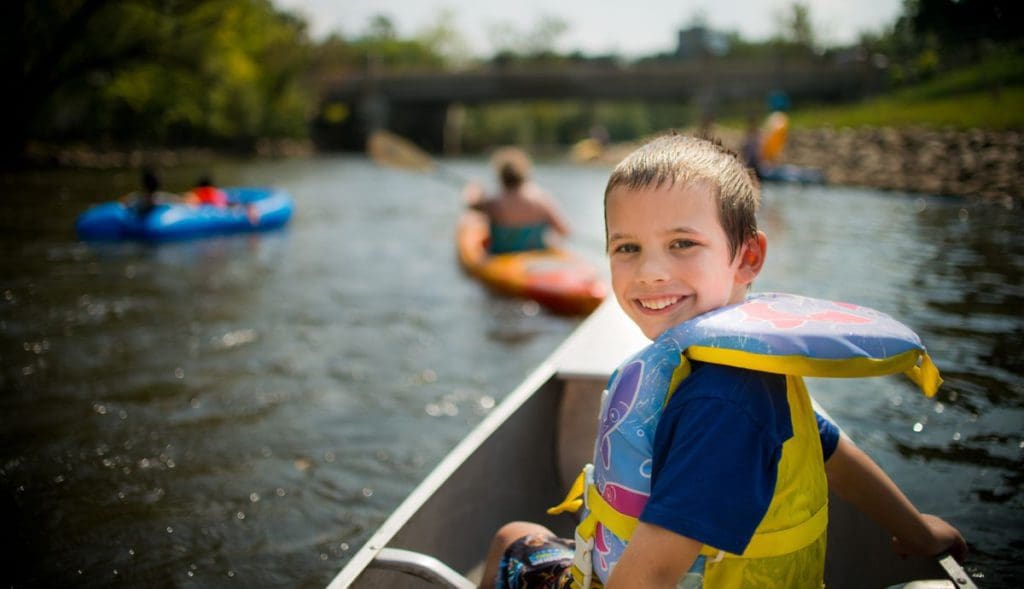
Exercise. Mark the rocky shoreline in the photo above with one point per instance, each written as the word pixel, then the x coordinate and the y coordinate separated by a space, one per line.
pixel 986 165
pixel 982 166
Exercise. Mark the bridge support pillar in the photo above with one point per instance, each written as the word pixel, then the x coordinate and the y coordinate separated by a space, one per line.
pixel 455 122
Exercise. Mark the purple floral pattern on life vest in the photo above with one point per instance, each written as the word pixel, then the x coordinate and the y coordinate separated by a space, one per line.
pixel 619 404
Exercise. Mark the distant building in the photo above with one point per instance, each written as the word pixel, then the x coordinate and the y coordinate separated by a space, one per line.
pixel 700 41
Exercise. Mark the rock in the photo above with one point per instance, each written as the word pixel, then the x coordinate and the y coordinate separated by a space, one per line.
pixel 975 163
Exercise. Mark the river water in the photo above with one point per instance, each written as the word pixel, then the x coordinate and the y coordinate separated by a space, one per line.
pixel 244 411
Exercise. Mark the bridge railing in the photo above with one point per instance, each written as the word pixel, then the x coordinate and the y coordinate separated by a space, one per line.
pixel 725 80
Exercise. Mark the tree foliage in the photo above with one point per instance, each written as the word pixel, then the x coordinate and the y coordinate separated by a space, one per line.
pixel 959 23
pixel 935 36
pixel 231 72
pixel 153 72
pixel 797 26
pixel 536 45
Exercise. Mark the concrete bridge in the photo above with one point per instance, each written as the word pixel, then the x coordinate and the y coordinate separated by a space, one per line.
pixel 417 105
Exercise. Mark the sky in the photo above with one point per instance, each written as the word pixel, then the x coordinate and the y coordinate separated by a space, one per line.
pixel 630 28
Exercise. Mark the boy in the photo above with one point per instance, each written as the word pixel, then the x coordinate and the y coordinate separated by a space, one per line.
pixel 683 240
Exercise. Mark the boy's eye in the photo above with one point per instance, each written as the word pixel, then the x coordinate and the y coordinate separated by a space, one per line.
pixel 626 248
pixel 682 244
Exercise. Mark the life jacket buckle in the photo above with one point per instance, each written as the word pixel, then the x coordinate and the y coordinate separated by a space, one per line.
pixel 583 560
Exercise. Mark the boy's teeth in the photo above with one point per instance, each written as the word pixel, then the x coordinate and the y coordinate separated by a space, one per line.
pixel 659 303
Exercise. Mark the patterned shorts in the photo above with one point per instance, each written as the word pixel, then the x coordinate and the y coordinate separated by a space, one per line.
pixel 537 562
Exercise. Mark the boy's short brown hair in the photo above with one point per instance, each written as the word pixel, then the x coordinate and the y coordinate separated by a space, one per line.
pixel 684 160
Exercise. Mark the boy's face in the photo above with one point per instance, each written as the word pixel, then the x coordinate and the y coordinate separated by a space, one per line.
pixel 670 256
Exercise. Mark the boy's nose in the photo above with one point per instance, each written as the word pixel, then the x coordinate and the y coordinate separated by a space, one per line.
pixel 653 268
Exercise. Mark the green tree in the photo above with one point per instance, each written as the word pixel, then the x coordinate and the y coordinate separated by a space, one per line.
pixel 443 38
pixel 538 44
pixel 798 26
pixel 962 29
pixel 50 49
pixel 381 28
pixel 796 36
pixel 151 72
pixel 380 47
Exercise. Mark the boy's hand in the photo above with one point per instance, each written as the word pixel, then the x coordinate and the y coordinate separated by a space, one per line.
pixel 943 538
pixel 855 477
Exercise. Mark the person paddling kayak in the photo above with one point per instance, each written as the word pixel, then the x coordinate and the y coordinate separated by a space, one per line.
pixel 521 214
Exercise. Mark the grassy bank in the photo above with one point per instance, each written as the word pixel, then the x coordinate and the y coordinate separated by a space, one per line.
pixel 986 96
pixel 996 110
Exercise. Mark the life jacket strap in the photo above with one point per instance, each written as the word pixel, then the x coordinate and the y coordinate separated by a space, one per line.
pixel 780 542
pixel 917 365
pixel 582 581
pixel 762 545
pixel 582 560
pixel 573 499
pixel 925 375
pixel 601 512
pixel 583 564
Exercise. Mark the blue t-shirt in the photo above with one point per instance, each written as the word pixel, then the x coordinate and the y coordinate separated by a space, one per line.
pixel 716 454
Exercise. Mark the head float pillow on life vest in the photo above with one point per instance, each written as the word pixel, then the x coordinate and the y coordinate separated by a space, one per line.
pixel 790 334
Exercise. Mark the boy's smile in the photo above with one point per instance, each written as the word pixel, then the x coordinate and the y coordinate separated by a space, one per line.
pixel 670 256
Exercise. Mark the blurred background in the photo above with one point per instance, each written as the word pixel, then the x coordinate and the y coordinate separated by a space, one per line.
pixel 248 409
pixel 876 93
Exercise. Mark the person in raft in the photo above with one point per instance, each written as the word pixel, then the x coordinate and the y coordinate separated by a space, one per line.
pixel 750 150
pixel 205 193
pixel 522 213
pixel 143 202
pixel 737 454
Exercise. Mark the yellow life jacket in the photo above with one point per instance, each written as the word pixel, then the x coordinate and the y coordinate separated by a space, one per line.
pixel 775 133
pixel 783 334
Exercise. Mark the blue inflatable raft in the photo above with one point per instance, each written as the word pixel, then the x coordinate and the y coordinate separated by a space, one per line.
pixel 262 209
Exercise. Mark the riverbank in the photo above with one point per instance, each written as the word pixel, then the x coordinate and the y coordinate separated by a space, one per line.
pixel 88 157
pixel 980 165
pixel 987 165
pixel 976 164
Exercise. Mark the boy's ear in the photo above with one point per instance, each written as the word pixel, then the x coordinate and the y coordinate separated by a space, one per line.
pixel 752 257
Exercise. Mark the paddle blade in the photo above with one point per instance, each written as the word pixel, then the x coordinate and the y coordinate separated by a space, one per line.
pixel 388 149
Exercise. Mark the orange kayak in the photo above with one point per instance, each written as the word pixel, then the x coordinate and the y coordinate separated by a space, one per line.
pixel 555 278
